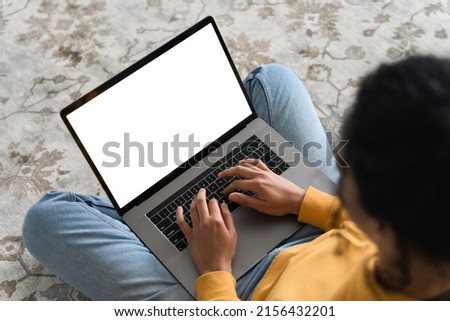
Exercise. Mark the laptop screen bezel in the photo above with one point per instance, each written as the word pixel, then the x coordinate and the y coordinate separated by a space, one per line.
pixel 128 71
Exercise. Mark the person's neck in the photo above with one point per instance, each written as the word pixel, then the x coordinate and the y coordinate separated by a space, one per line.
pixel 425 280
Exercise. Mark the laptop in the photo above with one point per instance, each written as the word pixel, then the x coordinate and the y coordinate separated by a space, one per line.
pixel 163 128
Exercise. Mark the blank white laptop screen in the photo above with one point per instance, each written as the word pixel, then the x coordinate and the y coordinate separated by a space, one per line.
pixel 146 125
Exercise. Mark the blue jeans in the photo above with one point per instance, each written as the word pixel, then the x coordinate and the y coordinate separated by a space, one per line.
pixel 83 240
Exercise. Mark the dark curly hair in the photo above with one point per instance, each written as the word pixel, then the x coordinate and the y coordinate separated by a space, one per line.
pixel 399 150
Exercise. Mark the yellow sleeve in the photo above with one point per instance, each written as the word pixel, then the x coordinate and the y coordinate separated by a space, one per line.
pixel 321 210
pixel 216 286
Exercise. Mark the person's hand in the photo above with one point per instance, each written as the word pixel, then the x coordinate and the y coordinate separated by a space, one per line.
pixel 212 238
pixel 275 195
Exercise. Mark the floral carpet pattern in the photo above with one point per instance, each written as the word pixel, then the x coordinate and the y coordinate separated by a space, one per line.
pixel 54 51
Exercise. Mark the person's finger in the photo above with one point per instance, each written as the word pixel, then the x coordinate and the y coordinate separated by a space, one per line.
pixel 240 185
pixel 201 205
pixel 213 207
pixel 184 226
pixel 227 217
pixel 247 201
pixel 254 162
pixel 241 171
pixel 194 212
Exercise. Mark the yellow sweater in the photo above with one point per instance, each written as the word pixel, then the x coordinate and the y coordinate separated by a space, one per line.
pixel 338 265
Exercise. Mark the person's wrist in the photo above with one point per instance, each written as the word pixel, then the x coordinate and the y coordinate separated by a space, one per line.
pixel 216 268
pixel 296 201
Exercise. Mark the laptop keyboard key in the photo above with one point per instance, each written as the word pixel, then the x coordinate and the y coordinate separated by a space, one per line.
pixel 181 245
pixel 176 237
pixel 156 219
pixel 232 206
pixel 165 223
pixel 172 229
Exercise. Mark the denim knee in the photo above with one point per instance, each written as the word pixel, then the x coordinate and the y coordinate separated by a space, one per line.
pixel 37 224
pixel 275 91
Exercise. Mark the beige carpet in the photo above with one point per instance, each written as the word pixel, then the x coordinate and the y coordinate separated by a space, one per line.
pixel 52 52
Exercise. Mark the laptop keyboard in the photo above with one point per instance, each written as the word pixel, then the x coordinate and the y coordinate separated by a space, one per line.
pixel 164 217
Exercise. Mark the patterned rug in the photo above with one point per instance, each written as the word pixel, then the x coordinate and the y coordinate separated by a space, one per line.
pixel 52 52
